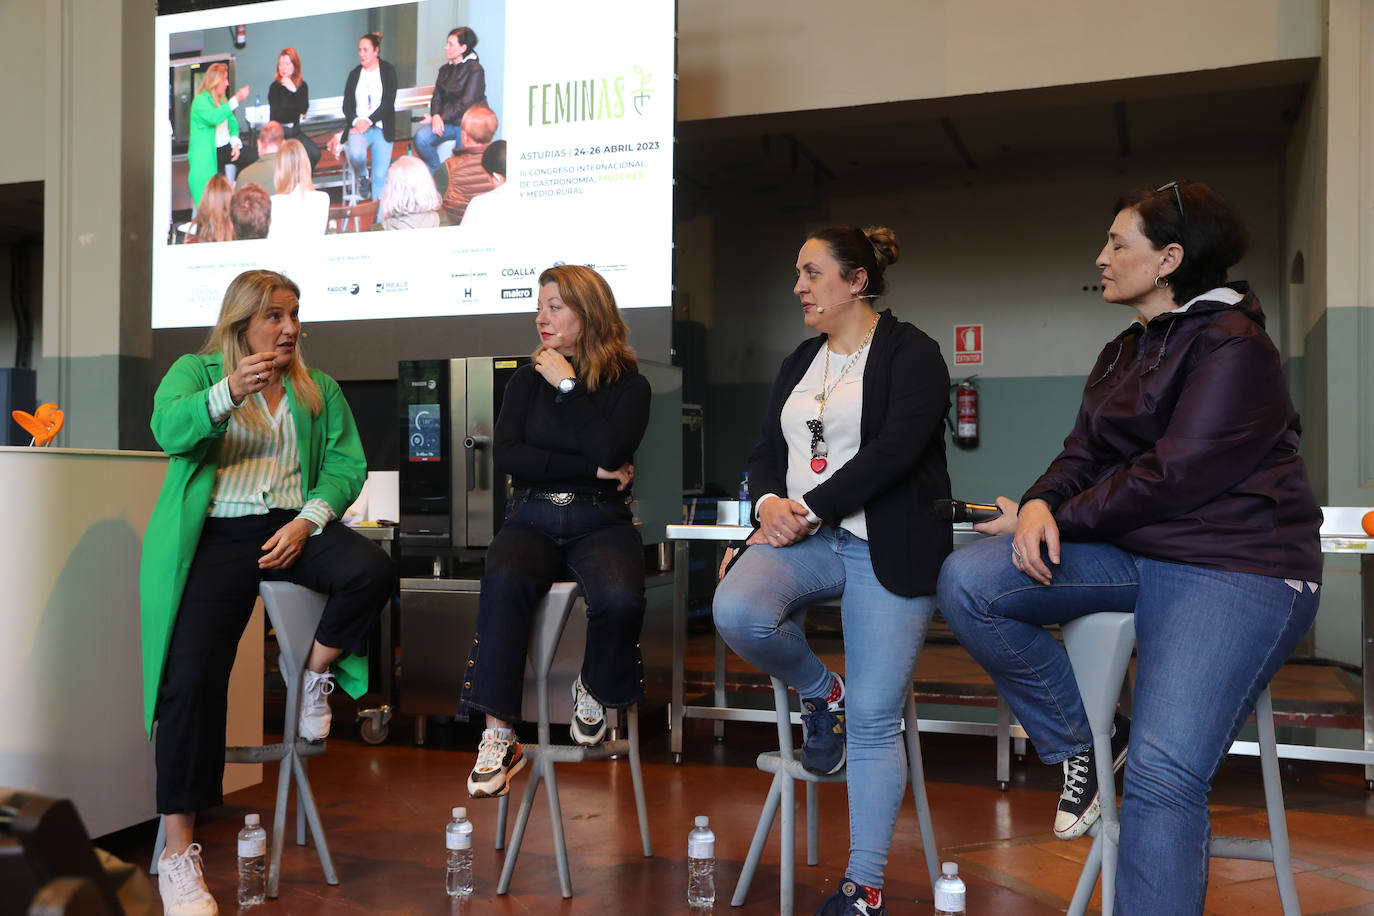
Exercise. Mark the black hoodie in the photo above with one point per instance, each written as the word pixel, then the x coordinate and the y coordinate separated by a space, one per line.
pixel 1186 447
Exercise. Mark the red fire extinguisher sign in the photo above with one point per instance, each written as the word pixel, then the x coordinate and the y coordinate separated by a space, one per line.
pixel 968 345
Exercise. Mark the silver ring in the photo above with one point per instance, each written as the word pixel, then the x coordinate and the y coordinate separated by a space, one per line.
pixel 1016 554
pixel 257 377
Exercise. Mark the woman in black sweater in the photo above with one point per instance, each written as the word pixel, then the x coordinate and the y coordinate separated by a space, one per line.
pixel 567 433
pixel 288 100
pixel 851 456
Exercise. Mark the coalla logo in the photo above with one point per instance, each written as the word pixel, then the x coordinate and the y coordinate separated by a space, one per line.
pixel 517 271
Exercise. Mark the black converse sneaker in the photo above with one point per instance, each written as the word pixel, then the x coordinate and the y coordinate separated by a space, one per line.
pixel 850 900
pixel 1080 804
pixel 498 759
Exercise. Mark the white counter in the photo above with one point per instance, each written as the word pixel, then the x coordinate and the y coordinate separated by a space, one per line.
pixel 71 684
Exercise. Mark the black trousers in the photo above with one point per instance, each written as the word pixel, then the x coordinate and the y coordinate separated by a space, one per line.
pixel 541 543
pixel 192 703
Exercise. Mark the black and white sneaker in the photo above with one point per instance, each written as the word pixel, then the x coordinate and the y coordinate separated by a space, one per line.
pixel 498 759
pixel 588 726
pixel 850 900
pixel 1080 804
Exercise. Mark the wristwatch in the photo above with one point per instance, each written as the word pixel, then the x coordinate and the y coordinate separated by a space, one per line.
pixel 567 385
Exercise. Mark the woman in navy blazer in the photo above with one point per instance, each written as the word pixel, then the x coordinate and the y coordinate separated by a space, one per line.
pixel 850 458
pixel 370 111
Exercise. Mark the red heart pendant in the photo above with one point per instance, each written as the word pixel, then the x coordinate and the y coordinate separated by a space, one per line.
pixel 817 465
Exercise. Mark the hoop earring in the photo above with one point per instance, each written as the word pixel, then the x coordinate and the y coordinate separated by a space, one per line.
pixel 1161 282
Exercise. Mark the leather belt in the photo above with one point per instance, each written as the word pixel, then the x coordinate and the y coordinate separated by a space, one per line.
pixel 559 497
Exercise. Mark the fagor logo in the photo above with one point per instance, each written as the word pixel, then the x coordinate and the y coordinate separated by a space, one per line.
pixel 343 289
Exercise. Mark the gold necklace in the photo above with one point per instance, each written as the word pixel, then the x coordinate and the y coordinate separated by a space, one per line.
pixel 819 448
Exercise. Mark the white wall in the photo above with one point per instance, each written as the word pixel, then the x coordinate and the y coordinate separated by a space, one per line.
pixel 752 58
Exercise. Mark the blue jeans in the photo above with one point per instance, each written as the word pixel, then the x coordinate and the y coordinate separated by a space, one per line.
pixel 759 611
pixel 371 140
pixel 1207 643
pixel 541 543
pixel 427 143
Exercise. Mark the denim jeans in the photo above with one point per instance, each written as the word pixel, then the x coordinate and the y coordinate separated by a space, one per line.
pixel 371 140
pixel 427 143
pixel 759 611
pixel 539 544
pixel 1207 642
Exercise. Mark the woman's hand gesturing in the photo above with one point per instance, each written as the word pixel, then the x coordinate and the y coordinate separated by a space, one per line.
pixel 254 373
pixel 625 474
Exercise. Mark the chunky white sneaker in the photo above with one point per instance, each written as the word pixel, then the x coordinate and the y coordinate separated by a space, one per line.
pixel 588 724
pixel 315 714
pixel 181 882
pixel 498 759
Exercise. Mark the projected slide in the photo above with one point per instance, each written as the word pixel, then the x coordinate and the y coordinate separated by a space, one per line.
pixel 574 101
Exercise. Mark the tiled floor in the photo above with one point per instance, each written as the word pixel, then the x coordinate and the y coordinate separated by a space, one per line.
pixel 384 810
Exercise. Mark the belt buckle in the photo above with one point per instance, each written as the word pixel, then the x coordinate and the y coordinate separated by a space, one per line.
pixel 560 499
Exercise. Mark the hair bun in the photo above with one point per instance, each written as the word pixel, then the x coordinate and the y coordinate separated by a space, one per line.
pixel 884 242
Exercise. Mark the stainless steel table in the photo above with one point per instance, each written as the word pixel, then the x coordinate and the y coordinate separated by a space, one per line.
pixel 720 710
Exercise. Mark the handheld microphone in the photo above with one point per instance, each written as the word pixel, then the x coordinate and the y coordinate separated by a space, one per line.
pixel 956 510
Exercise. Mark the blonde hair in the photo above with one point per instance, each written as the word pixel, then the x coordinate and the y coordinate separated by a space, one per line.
pixel 601 352
pixel 293 169
pixel 212 75
pixel 248 296
pixel 410 189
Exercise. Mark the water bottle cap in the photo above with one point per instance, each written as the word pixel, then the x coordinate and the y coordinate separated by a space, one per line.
pixel 252 820
pixel 460 813
pixel 949 868
pixel 702 820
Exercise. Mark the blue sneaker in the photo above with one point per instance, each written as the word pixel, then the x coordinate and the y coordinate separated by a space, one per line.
pixel 823 733
pixel 849 900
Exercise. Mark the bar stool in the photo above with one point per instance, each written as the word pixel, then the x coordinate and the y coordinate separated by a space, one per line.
pixel 785 765
pixel 1099 647
pixel 550 618
pixel 294 612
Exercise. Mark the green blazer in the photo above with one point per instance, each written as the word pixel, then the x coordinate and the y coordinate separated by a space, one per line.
pixel 332 469
pixel 200 145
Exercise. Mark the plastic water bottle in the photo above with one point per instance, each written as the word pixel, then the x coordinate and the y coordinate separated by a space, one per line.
pixel 252 862
pixel 746 505
pixel 701 864
pixel 949 892
pixel 458 841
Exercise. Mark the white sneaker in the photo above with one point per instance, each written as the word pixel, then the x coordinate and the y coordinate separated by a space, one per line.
pixel 181 882
pixel 588 724
pixel 315 715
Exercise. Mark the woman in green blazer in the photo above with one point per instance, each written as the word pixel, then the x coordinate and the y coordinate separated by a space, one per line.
pixel 265 456
pixel 211 112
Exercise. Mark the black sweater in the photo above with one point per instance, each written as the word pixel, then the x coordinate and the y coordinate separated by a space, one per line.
pixel 287 107
pixel 899 469
pixel 554 441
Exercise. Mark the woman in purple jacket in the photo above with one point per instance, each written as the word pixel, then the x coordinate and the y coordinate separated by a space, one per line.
pixel 1179 496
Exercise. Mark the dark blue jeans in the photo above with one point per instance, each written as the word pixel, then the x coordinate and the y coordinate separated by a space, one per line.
pixel 1207 642
pixel 540 543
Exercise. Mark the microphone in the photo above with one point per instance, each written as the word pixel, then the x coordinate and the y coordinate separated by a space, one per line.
pixel 956 510
pixel 820 309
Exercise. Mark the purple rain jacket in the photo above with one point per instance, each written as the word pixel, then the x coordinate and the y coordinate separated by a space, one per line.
pixel 1186 447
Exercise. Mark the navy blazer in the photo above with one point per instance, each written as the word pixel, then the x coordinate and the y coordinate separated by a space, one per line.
pixel 385 112
pixel 900 467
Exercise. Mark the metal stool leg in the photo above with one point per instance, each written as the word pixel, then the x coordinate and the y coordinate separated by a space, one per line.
pixel 761 831
pixel 916 774
pixel 1273 803
pixel 637 777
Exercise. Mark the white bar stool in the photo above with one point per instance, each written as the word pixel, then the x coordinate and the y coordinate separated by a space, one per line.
pixel 785 765
pixel 1099 647
pixel 295 612
pixel 550 618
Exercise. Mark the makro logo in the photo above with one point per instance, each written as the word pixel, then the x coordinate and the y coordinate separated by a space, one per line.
pixel 392 286
pixel 521 293
pixel 341 289
pixel 517 271
pixel 595 99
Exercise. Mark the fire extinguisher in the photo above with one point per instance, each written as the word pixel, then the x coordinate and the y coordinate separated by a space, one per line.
pixel 966 413
pixel 241 36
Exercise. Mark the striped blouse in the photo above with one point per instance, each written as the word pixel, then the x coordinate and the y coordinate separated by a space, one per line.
pixel 259 469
